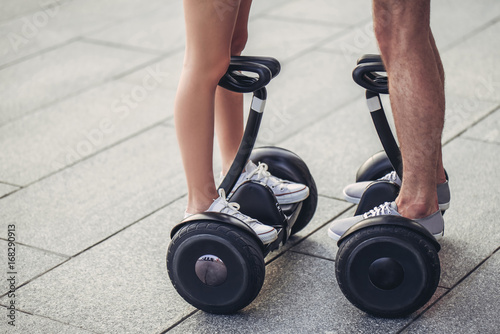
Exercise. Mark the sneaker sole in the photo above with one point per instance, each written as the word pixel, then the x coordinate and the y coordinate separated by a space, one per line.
pixel 298 196
pixel 439 236
pixel 333 235
pixel 268 237
pixel 354 200
pixel 444 206
pixel 336 237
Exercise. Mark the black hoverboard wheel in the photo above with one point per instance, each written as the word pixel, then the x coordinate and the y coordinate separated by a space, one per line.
pixel 287 165
pixel 375 167
pixel 387 271
pixel 215 267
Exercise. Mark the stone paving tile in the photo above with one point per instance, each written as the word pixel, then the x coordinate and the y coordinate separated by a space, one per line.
pixel 462 113
pixel 32 324
pixel 470 78
pixel 170 68
pixel 119 286
pixel 13 9
pixel 335 146
pixel 121 9
pixel 326 210
pixel 319 244
pixel 487 130
pixel 263 7
pixel 84 204
pixel 359 40
pixel 471 15
pixel 66 132
pixel 161 30
pixel 471 307
pixel 451 20
pixel 6 189
pixel 46 27
pixel 308 89
pixel 300 295
pixel 65 20
pixel 29 263
pixel 284 39
pixel 58 73
pixel 325 11
pixel 472 175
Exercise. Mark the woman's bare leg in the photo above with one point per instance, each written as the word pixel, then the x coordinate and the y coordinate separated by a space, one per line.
pixel 229 105
pixel 208 40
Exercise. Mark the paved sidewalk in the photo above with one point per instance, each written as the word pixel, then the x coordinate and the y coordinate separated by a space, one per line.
pixel 91 180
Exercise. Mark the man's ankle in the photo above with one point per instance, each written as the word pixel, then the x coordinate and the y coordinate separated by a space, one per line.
pixel 416 210
pixel 441 177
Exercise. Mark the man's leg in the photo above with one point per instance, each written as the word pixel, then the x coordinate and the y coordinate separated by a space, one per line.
pixel 441 176
pixel 416 87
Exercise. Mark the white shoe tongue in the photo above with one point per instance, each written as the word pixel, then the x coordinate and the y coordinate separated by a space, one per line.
pixel 394 206
pixel 250 166
pixel 216 206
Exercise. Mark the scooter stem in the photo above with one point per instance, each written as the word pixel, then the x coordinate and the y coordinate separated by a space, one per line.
pixel 248 140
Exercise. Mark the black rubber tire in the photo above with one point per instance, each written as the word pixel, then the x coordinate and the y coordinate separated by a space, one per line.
pixel 289 166
pixel 239 252
pixel 375 167
pixel 405 289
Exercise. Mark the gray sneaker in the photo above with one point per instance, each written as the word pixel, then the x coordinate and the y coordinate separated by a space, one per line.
pixel 433 223
pixel 354 191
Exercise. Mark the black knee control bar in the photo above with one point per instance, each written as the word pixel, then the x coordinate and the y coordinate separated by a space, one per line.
pixel 368 75
pixel 235 80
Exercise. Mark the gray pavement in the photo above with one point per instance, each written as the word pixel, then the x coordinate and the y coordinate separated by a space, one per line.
pixel 91 180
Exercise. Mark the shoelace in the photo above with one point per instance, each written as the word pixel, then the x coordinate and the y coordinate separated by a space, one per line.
pixel 232 207
pixel 225 203
pixel 382 209
pixel 263 174
pixel 392 176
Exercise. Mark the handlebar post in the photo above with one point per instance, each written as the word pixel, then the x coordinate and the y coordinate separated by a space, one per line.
pixel 248 140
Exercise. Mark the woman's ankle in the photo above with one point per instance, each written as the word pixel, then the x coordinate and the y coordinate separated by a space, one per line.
pixel 199 204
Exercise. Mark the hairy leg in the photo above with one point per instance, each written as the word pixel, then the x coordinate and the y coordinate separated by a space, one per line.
pixel 440 176
pixel 209 30
pixel 229 105
pixel 416 85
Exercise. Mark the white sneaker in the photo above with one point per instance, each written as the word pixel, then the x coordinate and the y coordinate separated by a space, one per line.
pixel 286 192
pixel 267 234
